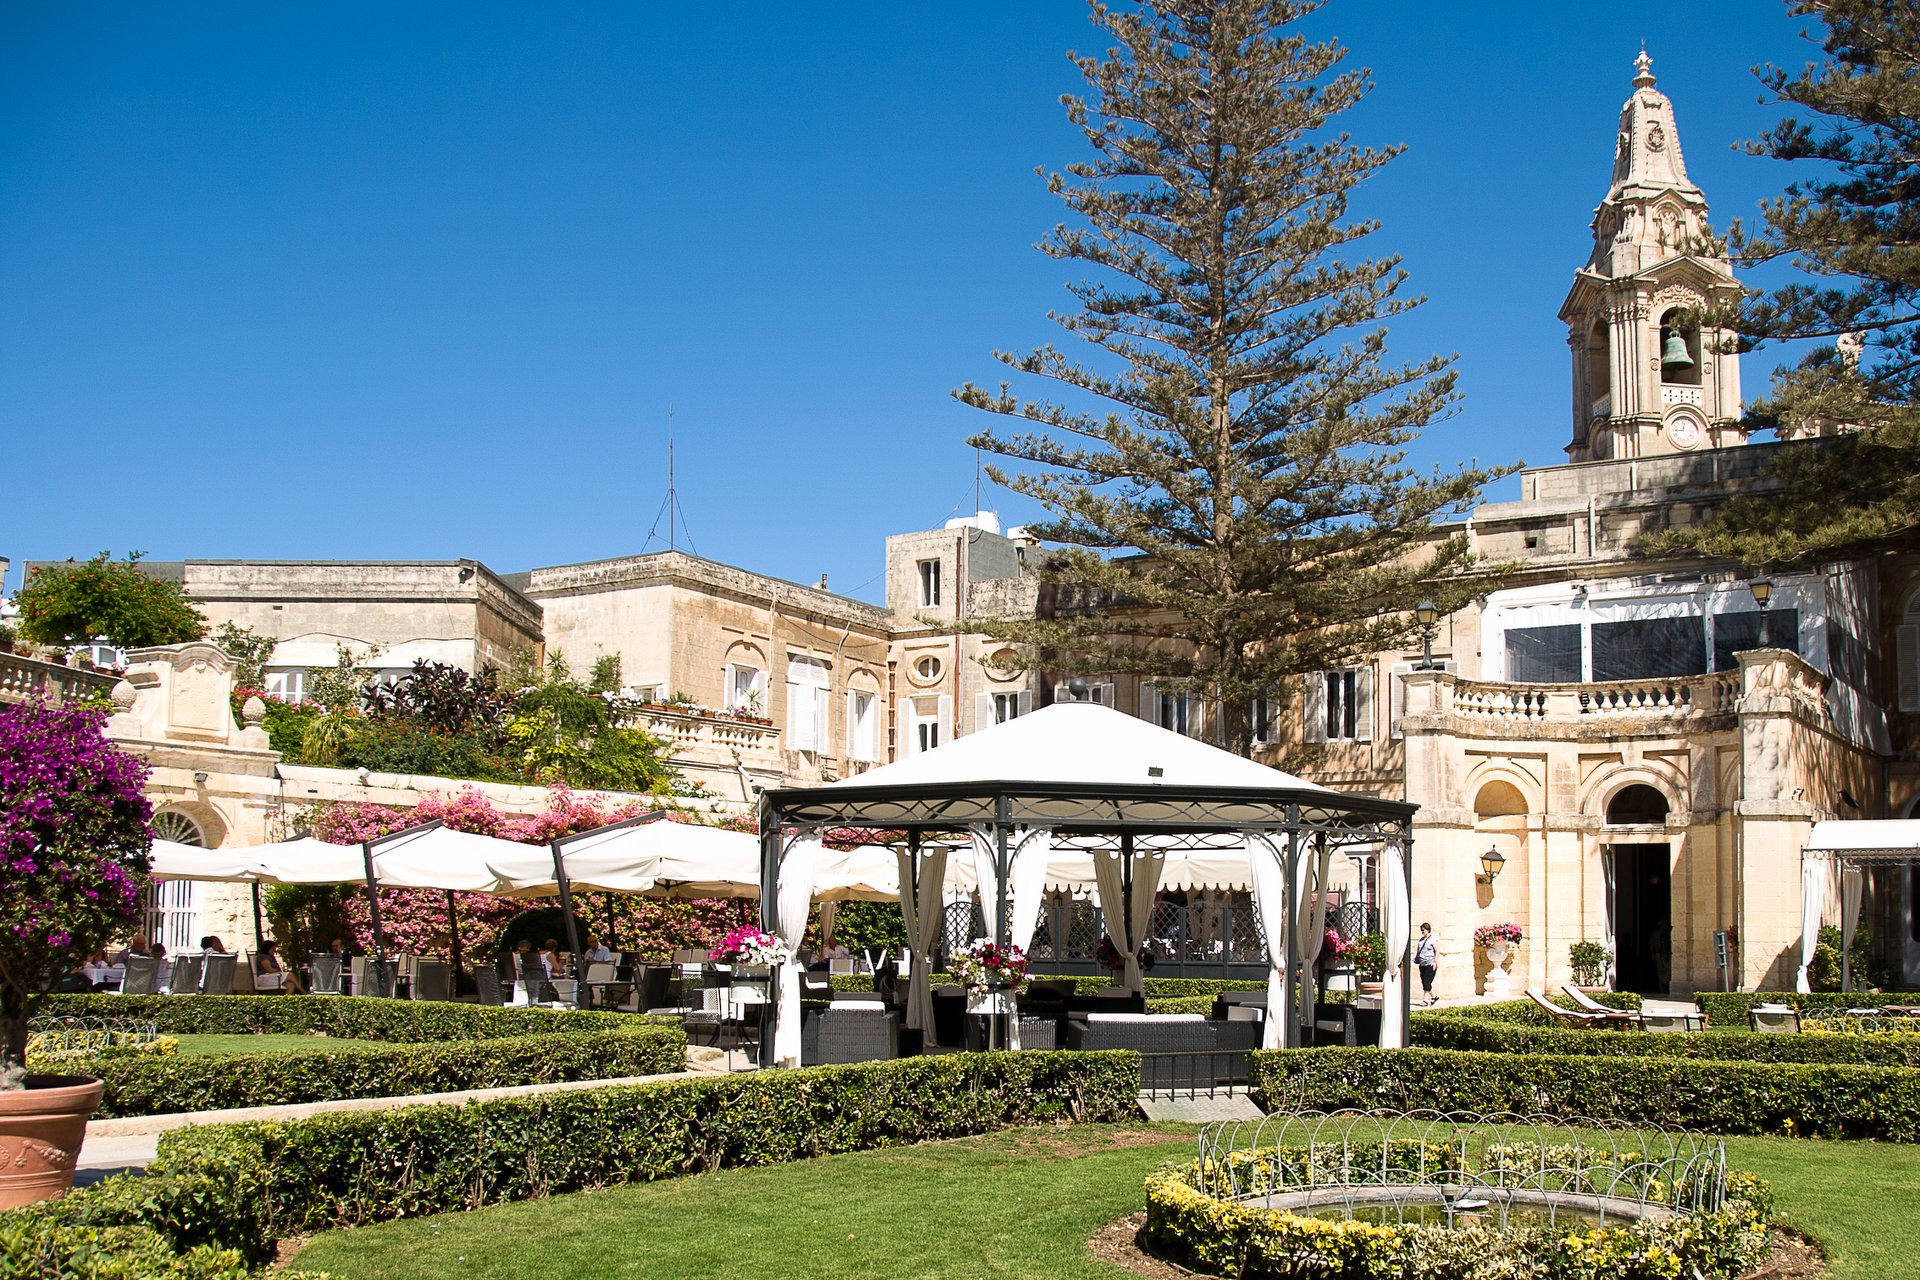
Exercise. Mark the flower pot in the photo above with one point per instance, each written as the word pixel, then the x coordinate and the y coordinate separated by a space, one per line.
pixel 41 1129
pixel 1370 987
pixel 1497 985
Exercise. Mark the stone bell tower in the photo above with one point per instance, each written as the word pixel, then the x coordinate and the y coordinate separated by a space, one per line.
pixel 1648 378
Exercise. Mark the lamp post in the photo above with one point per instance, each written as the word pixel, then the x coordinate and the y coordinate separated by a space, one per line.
pixel 1427 614
pixel 1762 589
pixel 1492 861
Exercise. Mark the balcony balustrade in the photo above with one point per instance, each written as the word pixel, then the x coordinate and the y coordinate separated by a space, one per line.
pixel 24 679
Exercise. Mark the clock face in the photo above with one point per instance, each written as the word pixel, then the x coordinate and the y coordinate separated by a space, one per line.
pixel 1684 432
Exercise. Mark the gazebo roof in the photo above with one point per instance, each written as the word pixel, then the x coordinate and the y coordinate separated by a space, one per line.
pixel 1079 767
pixel 1887 840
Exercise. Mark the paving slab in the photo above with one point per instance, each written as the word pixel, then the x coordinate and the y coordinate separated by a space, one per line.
pixel 1202 1110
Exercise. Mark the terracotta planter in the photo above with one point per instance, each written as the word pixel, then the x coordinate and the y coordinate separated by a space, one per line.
pixel 1370 987
pixel 41 1129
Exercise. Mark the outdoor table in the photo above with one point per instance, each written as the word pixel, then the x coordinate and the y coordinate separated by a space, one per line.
pixel 99 973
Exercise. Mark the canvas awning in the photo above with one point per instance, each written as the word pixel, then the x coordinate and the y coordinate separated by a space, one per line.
pixel 1884 840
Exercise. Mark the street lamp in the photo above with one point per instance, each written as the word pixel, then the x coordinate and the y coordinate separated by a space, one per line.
pixel 1492 860
pixel 1427 614
pixel 1762 589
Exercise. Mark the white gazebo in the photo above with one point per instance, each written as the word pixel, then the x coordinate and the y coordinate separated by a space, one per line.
pixel 1077 795
pixel 1848 848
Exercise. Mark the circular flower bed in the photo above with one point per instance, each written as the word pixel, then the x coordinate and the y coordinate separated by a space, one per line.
pixel 1440 1197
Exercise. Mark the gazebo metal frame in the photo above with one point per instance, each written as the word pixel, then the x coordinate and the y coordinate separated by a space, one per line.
pixel 1294 821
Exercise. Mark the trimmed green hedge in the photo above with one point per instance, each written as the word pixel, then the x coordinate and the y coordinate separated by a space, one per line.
pixel 348 1017
pixel 1458 1029
pixel 1527 1013
pixel 1089 984
pixel 248 1186
pixel 147 1084
pixel 1202 1005
pixel 1799 1099
pixel 1729 1008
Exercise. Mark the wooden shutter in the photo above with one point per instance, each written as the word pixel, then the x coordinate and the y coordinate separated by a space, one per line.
pixel 1314 717
pixel 945 718
pixel 1024 702
pixel 1149 702
pixel 982 711
pixel 1363 704
pixel 1907 655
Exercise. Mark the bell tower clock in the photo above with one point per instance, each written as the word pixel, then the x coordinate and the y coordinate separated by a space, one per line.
pixel 1648 377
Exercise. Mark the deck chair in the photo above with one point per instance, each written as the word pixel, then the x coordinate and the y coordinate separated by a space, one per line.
pixel 1564 1017
pixel 533 977
pixel 326 973
pixel 1777 1019
pixel 140 976
pixel 486 980
pixel 432 980
pixel 186 974
pixel 216 979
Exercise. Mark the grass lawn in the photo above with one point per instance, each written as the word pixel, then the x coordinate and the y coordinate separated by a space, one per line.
pixel 199 1046
pixel 1021 1203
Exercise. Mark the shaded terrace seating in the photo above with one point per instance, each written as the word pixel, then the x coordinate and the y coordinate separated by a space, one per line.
pixel 1778 1019
pixel 142 972
pixel 1566 1017
pixel 186 974
pixel 216 979
pixel 326 973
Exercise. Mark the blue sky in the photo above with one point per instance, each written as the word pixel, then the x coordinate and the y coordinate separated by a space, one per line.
pixel 368 281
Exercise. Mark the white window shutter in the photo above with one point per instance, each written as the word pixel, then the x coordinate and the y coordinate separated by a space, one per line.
pixel 728 682
pixel 1025 701
pixel 1149 702
pixel 982 711
pixel 946 717
pixel 1315 704
pixel 1907 646
pixel 823 717
pixel 906 718
pixel 1108 694
pixel 802 735
pixel 1363 704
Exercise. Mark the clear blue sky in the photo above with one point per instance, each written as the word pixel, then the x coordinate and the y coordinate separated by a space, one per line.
pixel 422 280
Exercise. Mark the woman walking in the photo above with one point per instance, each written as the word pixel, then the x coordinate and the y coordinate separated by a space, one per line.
pixel 1426 957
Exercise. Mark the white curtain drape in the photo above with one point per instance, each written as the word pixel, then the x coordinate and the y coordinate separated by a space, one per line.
pixel 986 878
pixel 1126 924
pixel 1032 849
pixel 924 915
pixel 1852 885
pixel 827 911
pixel 1310 904
pixel 1396 921
pixel 1609 874
pixel 1813 902
pixel 1266 860
pixel 793 896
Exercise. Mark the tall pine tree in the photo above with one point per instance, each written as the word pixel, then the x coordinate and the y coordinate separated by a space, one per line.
pixel 1239 509
pixel 1853 226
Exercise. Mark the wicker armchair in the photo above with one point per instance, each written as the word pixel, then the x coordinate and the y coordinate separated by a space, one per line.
pixel 869 1034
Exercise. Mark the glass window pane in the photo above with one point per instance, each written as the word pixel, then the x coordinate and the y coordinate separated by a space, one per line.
pixel 1544 655
pixel 1649 648
pixel 1733 632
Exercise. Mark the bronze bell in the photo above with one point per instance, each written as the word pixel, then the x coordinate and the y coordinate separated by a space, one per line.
pixel 1675 356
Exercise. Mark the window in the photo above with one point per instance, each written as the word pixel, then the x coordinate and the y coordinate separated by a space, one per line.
pixel 1339 705
pixel 1649 648
pixel 807 693
pixel 288 684
pixel 746 688
pixel 1260 719
pixel 998 708
pixel 927 669
pixel 929 584
pixel 863 725
pixel 1103 694
pixel 1179 712
pixel 927 722
pixel 1544 655
pixel 1736 632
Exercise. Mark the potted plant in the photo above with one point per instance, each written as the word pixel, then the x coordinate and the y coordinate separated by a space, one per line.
pixel 1368 955
pixel 1589 961
pixel 749 948
pixel 991 973
pixel 1497 942
pixel 74 835
pixel 8 634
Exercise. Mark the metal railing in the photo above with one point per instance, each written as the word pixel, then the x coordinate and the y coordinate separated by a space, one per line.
pixel 1200 940
pixel 29 680
pixel 1200 1073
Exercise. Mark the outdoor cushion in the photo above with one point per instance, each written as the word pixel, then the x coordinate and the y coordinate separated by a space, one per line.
pixel 1154 1018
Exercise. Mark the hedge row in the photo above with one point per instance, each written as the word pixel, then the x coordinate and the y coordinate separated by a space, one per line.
pixel 1729 1008
pixel 248 1186
pixel 1458 1029
pixel 1202 1005
pixel 348 1017
pixel 1089 984
pixel 148 1084
pixel 1804 1099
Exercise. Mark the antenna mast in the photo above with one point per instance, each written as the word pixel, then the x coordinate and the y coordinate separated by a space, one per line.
pixel 671 500
pixel 670 506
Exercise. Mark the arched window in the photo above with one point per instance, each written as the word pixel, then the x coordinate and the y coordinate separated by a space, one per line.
pixel 179 828
pixel 1637 805
pixel 173 906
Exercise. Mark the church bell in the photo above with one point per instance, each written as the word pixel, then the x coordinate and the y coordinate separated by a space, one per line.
pixel 1675 356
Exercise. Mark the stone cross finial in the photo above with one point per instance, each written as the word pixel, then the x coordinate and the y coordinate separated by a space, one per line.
pixel 1644 66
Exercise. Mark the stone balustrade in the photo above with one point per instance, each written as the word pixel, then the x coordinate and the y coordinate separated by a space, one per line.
pixel 1484 706
pixel 687 731
pixel 25 679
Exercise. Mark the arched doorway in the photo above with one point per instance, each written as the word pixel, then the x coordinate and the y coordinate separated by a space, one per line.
pixel 1638 863
pixel 173 906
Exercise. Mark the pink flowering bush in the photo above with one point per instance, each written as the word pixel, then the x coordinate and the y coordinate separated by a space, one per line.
pixel 415 920
pixel 74 837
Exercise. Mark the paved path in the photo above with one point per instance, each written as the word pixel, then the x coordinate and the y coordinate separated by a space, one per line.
pixel 131 1141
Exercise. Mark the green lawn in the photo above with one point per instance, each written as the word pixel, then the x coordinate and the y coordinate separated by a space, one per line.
pixel 198 1046
pixel 1021 1203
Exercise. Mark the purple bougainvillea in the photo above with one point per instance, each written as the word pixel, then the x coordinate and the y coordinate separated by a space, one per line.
pixel 74 836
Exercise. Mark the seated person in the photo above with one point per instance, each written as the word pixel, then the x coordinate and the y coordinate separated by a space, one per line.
pixel 211 945
pixel 596 952
pixel 835 952
pixel 162 967
pixel 138 947
pixel 269 974
pixel 550 960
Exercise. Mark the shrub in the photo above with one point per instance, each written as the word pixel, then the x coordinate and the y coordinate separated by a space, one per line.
pixel 1589 963
pixel 1238 1239
pixel 143 1085
pixel 348 1017
pixel 247 1186
pixel 1802 1099
pixel 1457 1030
pixel 33 1248
pixel 75 602
pixel 1180 1004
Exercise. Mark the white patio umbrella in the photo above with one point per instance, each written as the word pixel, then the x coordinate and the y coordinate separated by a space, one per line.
pixel 174 861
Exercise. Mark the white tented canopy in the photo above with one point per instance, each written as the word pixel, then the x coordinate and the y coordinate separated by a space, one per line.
pixel 1060 796
pixel 1899 836
pixel 175 861
pixel 1837 854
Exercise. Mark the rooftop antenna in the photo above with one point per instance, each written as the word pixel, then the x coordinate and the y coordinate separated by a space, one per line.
pixel 670 506
pixel 976 480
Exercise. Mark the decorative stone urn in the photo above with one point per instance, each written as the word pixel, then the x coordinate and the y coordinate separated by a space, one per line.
pixel 1498 984
pixel 41 1129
